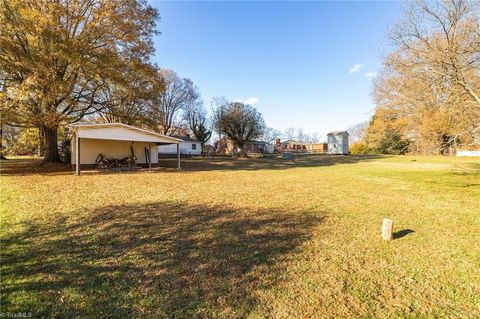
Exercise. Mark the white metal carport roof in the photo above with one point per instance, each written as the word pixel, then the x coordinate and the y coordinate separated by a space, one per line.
pixel 119 132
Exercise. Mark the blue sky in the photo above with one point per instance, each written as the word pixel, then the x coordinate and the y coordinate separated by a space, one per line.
pixel 302 64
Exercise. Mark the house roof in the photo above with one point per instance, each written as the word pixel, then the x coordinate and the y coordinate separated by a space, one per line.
pixel 258 142
pixel 337 133
pixel 120 132
pixel 185 138
pixel 294 142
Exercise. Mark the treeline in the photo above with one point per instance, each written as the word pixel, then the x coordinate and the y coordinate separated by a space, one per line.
pixel 428 93
pixel 64 62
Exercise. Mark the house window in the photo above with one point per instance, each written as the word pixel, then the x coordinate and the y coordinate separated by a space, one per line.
pixel 194 146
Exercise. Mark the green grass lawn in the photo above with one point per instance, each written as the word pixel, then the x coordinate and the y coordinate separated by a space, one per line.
pixel 263 238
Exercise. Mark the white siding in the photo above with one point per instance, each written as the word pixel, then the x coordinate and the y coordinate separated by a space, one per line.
pixel 345 148
pixel 185 148
pixel 468 153
pixel 90 148
pixel 269 148
pixel 338 143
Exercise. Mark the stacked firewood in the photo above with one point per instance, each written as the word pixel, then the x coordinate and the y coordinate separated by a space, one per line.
pixel 102 162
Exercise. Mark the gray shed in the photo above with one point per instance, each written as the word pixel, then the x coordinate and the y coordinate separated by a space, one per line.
pixel 338 142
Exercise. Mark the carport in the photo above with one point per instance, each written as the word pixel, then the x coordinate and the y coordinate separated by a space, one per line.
pixel 116 140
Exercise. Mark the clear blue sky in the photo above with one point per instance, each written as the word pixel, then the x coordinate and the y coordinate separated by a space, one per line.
pixel 296 60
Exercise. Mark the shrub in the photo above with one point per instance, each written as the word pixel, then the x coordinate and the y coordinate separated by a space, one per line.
pixel 359 148
pixel 23 142
pixel 393 144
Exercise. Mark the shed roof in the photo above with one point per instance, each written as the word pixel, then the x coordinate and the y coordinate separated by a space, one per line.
pixel 337 132
pixel 120 132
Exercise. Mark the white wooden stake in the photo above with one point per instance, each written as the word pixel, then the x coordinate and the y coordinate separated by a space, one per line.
pixel 387 229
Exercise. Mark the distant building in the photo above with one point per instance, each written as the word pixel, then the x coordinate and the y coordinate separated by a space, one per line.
pixel 472 150
pixel 188 146
pixel 317 148
pixel 223 146
pixel 291 146
pixel 208 149
pixel 461 153
pixel 226 147
pixel 259 147
pixel 338 142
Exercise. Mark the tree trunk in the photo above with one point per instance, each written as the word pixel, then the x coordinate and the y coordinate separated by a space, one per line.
pixel 41 142
pixel 51 147
pixel 1 144
pixel 241 150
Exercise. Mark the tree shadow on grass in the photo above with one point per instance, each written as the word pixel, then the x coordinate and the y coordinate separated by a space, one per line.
pixel 156 260
pixel 253 164
pixel 32 166
pixel 29 166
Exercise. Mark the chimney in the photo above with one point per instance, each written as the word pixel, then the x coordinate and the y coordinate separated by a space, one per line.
pixel 277 141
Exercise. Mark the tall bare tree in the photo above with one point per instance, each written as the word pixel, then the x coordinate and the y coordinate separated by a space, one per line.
pixel 270 134
pixel 358 132
pixel 430 83
pixel 298 134
pixel 177 95
pixel 195 115
pixel 216 105
pixel 290 133
pixel 302 136
pixel 443 38
pixel 315 138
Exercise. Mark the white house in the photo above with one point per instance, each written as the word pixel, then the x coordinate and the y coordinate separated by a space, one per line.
pixel 269 148
pixel 188 146
pixel 338 142
pixel 116 140
pixel 467 153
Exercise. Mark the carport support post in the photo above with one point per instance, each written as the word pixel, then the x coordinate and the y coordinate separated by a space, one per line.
pixel 149 157
pixel 178 156
pixel 77 154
